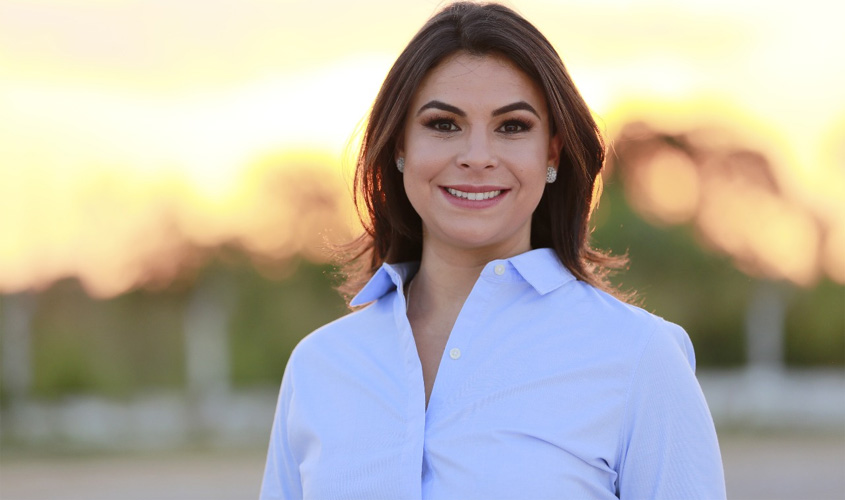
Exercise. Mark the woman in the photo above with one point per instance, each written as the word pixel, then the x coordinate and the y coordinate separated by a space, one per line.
pixel 490 362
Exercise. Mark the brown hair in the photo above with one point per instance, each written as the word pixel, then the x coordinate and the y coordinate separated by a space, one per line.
pixel 393 230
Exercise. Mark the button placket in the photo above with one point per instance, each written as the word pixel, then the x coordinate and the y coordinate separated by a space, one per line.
pixel 452 372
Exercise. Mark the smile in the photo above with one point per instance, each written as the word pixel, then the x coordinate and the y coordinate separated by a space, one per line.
pixel 474 196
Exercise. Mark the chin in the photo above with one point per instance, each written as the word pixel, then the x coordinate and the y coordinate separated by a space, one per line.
pixel 468 240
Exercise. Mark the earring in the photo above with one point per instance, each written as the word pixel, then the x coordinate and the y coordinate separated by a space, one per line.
pixel 551 175
pixel 400 164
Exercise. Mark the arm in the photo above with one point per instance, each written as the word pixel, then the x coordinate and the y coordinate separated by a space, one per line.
pixel 281 474
pixel 669 446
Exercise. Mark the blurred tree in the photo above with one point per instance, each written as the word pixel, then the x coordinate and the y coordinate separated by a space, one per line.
pixel 271 316
pixel 815 327
pixel 677 278
pixel 113 347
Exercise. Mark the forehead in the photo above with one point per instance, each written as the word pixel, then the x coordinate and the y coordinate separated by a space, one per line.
pixel 465 79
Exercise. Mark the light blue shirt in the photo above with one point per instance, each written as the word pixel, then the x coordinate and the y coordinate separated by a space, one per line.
pixel 548 388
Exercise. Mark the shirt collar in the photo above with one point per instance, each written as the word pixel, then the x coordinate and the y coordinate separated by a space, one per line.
pixel 387 278
pixel 540 268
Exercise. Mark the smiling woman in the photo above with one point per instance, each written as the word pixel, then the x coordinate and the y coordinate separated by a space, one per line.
pixel 476 152
pixel 491 361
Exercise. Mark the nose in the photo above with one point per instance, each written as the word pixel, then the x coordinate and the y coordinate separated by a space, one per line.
pixel 477 150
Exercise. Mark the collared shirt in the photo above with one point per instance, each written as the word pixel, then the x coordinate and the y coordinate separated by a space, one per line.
pixel 547 388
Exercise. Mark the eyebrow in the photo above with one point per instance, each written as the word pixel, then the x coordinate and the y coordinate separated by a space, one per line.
pixel 521 105
pixel 443 106
pixel 515 106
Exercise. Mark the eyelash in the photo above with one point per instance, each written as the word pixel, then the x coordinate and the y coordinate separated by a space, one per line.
pixel 522 124
pixel 434 122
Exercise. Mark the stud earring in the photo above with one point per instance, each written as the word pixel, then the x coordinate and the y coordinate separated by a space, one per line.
pixel 551 175
pixel 400 164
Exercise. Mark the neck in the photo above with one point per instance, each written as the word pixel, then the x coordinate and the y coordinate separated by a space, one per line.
pixel 446 275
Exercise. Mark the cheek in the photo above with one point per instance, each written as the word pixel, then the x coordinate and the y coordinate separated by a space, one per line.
pixel 533 176
pixel 535 173
pixel 417 182
pixel 424 163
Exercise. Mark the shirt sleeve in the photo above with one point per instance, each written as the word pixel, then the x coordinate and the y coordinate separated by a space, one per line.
pixel 281 473
pixel 669 446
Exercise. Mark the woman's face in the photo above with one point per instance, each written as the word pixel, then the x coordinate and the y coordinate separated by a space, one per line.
pixel 476 146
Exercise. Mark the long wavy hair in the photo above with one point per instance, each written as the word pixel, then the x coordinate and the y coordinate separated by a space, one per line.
pixel 393 230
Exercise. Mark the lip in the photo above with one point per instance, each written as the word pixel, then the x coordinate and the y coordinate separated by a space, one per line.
pixel 474 204
pixel 475 189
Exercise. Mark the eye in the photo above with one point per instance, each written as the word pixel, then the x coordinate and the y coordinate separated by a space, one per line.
pixel 442 125
pixel 515 126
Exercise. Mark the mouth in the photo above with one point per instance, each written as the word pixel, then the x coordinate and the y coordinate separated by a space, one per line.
pixel 475 195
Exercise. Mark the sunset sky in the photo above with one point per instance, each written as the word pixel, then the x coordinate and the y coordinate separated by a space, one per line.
pixel 115 112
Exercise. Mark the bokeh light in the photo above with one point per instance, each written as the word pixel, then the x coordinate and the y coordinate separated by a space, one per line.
pixel 132 130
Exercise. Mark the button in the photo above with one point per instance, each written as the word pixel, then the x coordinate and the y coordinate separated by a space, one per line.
pixel 455 353
pixel 499 269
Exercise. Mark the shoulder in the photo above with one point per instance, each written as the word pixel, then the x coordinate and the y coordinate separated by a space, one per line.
pixel 357 330
pixel 621 324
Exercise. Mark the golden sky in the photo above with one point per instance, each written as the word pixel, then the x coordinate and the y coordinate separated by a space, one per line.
pixel 114 112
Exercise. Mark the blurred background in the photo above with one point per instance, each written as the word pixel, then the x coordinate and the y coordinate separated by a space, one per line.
pixel 173 175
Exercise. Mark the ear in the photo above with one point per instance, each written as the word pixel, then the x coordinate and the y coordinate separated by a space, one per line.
pixel 555 145
pixel 399 148
pixel 398 151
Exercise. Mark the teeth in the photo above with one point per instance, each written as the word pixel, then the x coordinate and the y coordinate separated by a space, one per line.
pixel 474 196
